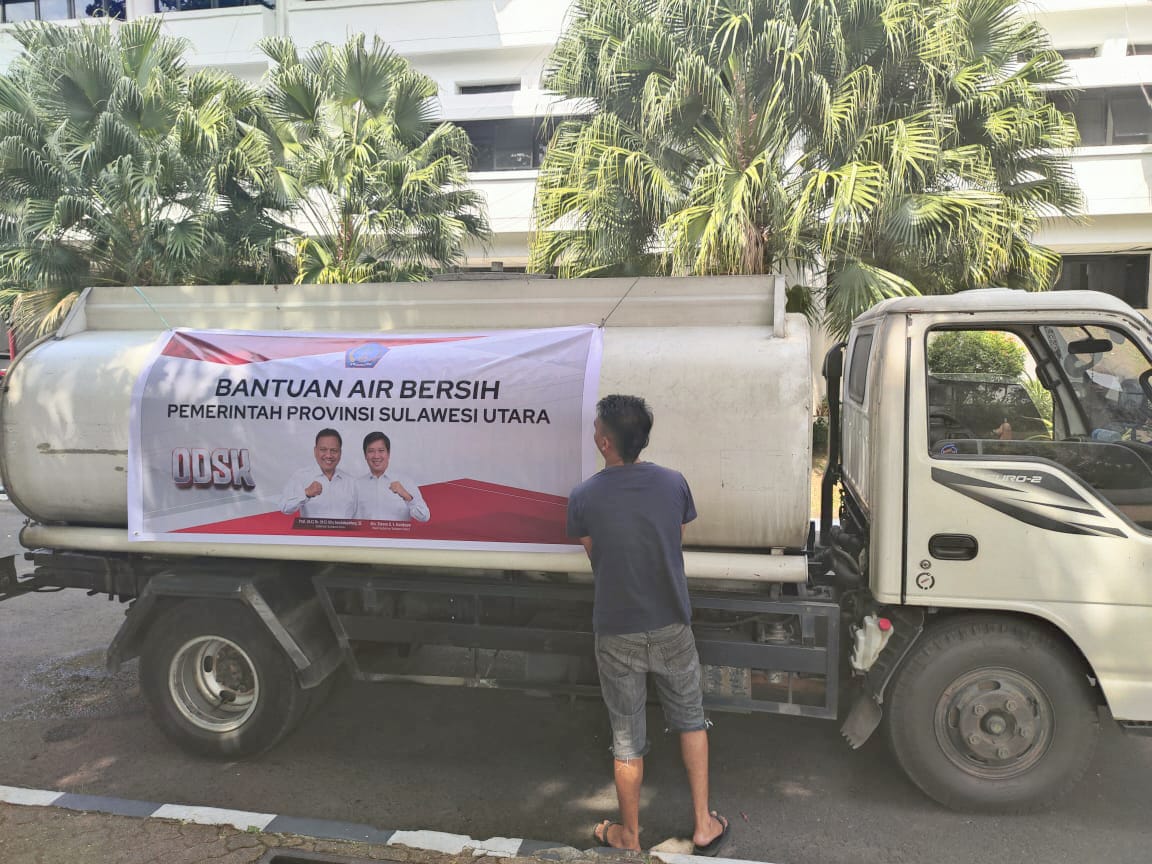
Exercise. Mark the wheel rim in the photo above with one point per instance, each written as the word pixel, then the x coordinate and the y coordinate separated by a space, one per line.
pixel 213 683
pixel 994 723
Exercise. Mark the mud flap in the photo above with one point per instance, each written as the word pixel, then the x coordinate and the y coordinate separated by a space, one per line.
pixel 862 720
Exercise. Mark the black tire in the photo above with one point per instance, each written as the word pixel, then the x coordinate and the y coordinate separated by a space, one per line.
pixel 992 713
pixel 216 682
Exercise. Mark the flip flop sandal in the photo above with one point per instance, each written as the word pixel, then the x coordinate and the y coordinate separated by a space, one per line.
pixel 601 839
pixel 708 850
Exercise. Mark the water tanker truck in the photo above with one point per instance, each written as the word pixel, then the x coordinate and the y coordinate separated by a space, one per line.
pixel 978 583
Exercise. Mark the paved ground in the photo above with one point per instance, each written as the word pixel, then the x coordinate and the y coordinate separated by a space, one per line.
pixel 491 764
pixel 41 835
pixel 45 835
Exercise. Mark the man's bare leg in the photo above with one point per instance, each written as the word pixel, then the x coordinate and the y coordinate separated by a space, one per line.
pixel 629 775
pixel 694 750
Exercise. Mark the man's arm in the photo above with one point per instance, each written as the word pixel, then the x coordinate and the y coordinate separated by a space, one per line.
pixel 586 542
pixel 294 495
pixel 417 509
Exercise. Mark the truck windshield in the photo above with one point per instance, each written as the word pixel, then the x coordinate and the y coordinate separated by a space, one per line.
pixel 1104 369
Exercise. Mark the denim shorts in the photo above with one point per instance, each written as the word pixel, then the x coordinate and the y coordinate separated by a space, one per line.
pixel 624 662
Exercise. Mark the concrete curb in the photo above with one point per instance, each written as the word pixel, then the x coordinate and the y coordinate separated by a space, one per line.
pixel 324 829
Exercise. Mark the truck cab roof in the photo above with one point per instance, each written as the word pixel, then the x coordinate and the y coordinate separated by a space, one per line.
pixel 997 300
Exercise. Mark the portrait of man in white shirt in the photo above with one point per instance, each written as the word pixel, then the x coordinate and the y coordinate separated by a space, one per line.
pixel 323 490
pixel 382 494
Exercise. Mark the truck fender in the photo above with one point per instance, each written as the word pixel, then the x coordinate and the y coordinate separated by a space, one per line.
pixel 294 618
pixel 867 710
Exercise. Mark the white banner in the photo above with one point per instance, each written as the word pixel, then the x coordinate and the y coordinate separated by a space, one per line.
pixel 455 440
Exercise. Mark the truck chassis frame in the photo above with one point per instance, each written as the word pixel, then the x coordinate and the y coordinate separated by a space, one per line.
pixel 803 647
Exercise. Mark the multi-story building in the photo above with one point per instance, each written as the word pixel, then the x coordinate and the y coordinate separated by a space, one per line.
pixel 488 58
pixel 1108 46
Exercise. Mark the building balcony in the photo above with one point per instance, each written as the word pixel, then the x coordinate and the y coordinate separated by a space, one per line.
pixel 224 36
pixel 441 27
pixel 1096 72
pixel 1116 180
pixel 1042 8
pixel 1107 250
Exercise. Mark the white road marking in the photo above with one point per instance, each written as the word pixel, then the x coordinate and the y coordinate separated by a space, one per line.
pixel 215 816
pixel 34 797
pixel 454 844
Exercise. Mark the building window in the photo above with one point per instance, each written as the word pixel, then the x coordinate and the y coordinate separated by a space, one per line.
pixel 508 145
pixel 59 10
pixel 1079 53
pixel 195 5
pixel 858 368
pixel 1123 276
pixel 1119 115
pixel 478 89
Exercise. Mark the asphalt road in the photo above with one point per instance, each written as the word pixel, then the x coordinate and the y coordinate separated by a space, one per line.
pixel 503 764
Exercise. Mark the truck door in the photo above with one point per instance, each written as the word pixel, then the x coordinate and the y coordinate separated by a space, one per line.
pixel 1029 484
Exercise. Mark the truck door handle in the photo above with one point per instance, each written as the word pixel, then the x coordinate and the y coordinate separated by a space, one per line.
pixel 953 547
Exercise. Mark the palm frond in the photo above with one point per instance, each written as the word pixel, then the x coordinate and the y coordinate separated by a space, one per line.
pixel 895 145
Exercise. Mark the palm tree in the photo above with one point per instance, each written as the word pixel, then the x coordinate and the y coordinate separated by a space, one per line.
pixel 381 188
pixel 117 167
pixel 885 147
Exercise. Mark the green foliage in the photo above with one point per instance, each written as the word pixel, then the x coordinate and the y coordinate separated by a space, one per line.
pixel 118 167
pixel 983 352
pixel 820 427
pixel 382 189
pixel 893 147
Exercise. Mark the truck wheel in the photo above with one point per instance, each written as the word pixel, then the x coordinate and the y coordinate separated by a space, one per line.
pixel 992 714
pixel 216 682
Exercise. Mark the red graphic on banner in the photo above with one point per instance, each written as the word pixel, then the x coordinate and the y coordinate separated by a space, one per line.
pixel 463 510
pixel 239 349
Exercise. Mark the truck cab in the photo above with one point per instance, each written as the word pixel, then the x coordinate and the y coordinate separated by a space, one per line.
pixel 997 466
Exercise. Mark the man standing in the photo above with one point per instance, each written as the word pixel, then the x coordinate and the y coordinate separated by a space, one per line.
pixel 630 518
pixel 327 493
pixel 383 495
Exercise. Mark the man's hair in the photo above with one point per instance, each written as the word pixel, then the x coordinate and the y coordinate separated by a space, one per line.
pixel 373 437
pixel 628 422
pixel 329 433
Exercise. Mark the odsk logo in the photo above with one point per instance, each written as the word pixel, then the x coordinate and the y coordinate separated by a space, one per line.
pixel 221 467
pixel 365 356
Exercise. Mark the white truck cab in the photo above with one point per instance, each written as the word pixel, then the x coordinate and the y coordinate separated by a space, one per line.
pixel 997 470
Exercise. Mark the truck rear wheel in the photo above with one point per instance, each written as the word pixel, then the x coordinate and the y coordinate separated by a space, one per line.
pixel 216 682
pixel 992 713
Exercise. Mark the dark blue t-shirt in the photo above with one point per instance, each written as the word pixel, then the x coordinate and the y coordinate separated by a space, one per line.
pixel 633 514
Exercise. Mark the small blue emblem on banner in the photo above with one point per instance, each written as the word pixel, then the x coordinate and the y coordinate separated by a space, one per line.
pixel 364 356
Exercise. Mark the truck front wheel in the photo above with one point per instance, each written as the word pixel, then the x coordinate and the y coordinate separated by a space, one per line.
pixel 992 713
pixel 216 682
